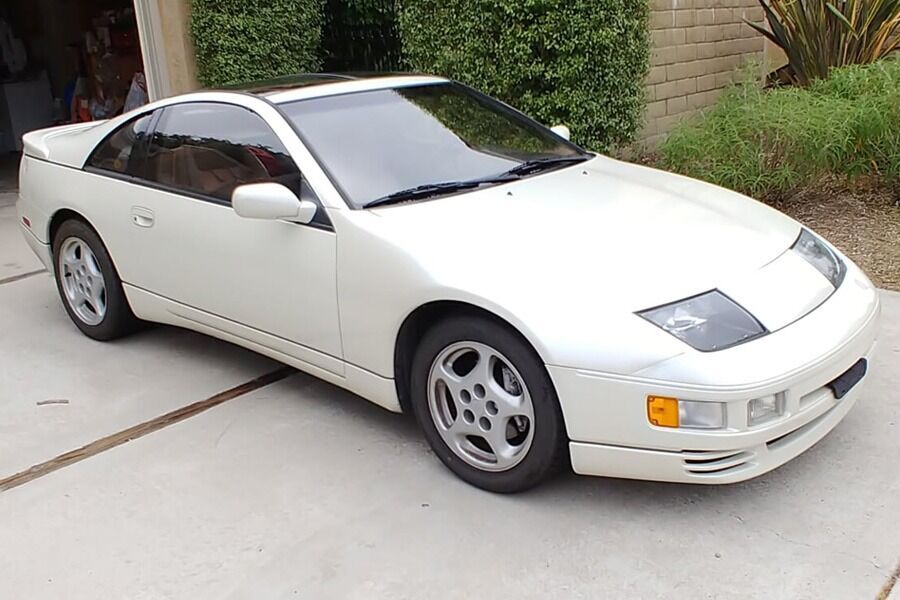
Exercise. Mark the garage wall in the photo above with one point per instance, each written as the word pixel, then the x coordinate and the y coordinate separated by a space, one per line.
pixel 697 45
pixel 179 50
pixel 167 47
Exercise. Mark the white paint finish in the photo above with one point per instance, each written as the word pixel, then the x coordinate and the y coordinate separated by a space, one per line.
pixel 621 404
pixel 850 313
pixel 800 289
pixel 566 258
pixel 562 131
pixel 301 490
pixel 380 390
pixel 801 368
pixel 748 460
pixel 273 276
pixel 70 143
pixel 270 201
pixel 42 251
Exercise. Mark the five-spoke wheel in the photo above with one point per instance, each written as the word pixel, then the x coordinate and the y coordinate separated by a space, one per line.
pixel 82 281
pixel 89 284
pixel 486 404
pixel 480 405
pixel 479 390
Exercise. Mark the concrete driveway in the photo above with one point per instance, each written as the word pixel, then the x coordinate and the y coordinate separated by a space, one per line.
pixel 300 490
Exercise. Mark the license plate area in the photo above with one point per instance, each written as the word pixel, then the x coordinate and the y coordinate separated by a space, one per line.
pixel 849 378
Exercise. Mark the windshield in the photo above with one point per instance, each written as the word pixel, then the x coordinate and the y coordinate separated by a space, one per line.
pixel 377 143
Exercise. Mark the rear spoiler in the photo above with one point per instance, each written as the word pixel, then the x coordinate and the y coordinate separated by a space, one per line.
pixel 60 144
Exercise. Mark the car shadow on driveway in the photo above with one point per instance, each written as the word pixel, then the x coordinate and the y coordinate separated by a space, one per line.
pixel 302 485
pixel 817 472
pixel 820 518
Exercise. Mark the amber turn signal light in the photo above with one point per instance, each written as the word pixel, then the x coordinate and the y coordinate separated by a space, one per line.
pixel 662 411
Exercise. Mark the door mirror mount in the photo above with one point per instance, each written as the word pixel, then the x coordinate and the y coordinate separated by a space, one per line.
pixel 562 131
pixel 271 201
pixel 306 212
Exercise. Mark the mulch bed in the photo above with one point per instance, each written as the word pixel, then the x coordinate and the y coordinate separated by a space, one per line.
pixel 861 219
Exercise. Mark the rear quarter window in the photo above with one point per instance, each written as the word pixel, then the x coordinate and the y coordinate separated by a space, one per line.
pixel 123 150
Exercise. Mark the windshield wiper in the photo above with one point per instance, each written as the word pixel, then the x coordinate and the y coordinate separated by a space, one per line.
pixel 540 164
pixel 435 189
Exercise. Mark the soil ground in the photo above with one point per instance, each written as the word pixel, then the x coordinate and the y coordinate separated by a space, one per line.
pixel 861 219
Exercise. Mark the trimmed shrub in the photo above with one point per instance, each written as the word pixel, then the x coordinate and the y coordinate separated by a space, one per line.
pixel 361 35
pixel 576 62
pixel 245 40
pixel 772 142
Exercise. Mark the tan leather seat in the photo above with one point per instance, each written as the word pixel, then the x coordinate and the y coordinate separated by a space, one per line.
pixel 205 170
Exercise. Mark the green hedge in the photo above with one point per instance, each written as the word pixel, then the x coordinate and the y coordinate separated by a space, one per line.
pixel 361 35
pixel 245 40
pixel 771 142
pixel 576 62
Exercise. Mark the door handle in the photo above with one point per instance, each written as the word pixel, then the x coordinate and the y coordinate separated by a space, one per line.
pixel 142 217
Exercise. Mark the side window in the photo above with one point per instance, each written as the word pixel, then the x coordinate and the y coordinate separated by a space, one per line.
pixel 210 149
pixel 122 150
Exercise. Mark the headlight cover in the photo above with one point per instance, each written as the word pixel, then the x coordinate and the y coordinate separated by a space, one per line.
pixel 708 322
pixel 820 256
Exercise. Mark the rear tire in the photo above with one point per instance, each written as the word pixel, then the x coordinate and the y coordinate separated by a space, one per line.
pixel 487 405
pixel 89 285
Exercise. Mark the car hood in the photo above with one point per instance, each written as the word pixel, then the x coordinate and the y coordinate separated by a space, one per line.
pixel 605 233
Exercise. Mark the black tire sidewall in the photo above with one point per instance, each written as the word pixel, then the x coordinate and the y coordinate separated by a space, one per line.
pixel 119 319
pixel 549 446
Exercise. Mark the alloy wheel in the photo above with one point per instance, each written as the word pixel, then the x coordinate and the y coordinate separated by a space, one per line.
pixel 82 281
pixel 480 405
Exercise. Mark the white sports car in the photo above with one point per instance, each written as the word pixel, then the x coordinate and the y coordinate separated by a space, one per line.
pixel 433 250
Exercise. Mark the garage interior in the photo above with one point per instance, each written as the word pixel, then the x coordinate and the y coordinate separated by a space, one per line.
pixel 65 62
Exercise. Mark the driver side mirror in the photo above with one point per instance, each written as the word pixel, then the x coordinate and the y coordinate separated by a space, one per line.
pixel 562 131
pixel 271 201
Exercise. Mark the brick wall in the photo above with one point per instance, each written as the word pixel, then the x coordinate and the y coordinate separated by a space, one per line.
pixel 697 46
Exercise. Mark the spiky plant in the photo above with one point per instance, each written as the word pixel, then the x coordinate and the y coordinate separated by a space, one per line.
pixel 817 35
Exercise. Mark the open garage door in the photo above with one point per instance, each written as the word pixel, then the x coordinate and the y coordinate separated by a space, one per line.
pixel 63 61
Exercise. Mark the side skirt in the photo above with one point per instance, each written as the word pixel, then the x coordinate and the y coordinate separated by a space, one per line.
pixel 371 386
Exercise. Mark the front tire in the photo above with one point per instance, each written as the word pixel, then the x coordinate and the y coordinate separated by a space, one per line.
pixel 486 405
pixel 88 283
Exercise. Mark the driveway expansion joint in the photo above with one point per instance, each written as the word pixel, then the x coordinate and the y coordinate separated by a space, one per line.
pixel 136 431
pixel 20 276
pixel 892 579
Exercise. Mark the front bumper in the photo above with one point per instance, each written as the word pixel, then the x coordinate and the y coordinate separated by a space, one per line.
pixel 606 415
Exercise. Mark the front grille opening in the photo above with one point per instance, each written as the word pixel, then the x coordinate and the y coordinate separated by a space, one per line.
pixel 716 463
pixel 720 471
pixel 707 461
pixel 772 443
